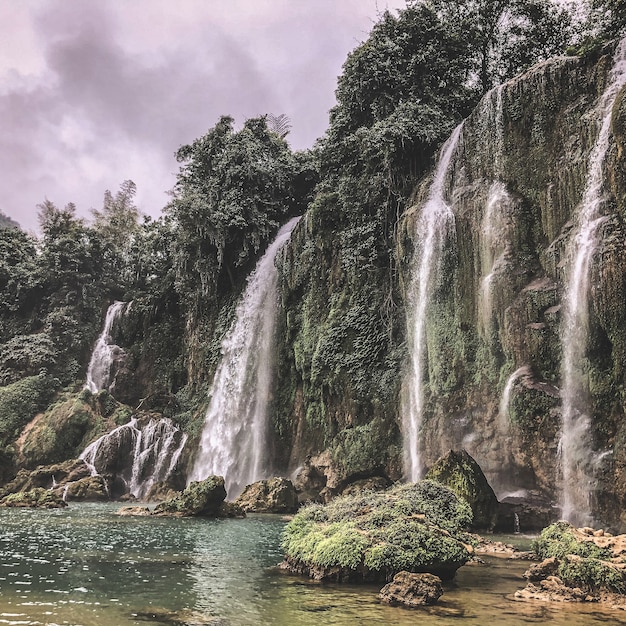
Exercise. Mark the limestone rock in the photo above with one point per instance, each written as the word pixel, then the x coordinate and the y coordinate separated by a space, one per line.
pixel 526 513
pixel 412 590
pixel 460 472
pixel 275 495
pixel 90 489
pixel 134 511
pixel 201 499
pixel 37 498
pixel 160 491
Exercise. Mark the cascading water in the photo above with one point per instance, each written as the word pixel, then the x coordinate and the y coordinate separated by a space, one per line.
pixel 234 438
pixel 575 446
pixel 505 400
pixel 140 453
pixel 433 228
pixel 105 351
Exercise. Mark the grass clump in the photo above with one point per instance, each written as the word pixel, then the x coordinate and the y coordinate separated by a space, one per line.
pixel 592 575
pixel 416 527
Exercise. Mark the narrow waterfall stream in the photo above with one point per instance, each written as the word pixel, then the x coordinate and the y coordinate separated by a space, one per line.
pixel 234 438
pixel 105 351
pixel 435 224
pixel 575 446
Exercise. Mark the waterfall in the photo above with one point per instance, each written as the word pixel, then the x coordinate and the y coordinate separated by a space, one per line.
pixel 105 352
pixel 434 225
pixel 505 400
pixel 575 445
pixel 233 443
pixel 140 453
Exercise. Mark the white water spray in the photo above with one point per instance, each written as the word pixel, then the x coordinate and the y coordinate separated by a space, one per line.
pixel 435 224
pixel 234 438
pixel 104 352
pixel 141 453
pixel 575 446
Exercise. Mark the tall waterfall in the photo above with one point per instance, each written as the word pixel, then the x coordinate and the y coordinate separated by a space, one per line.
pixel 104 352
pixel 139 453
pixel 234 438
pixel 575 445
pixel 434 225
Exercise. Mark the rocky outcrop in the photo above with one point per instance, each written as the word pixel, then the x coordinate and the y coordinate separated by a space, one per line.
pixel 525 512
pixel 199 499
pixel 579 565
pixel 37 498
pixel 274 495
pixel 460 472
pixel 89 489
pixel 372 536
pixel 411 590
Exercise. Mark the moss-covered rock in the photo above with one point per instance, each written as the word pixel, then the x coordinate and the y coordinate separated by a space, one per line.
pixel 89 489
pixel 460 472
pixel 199 499
pixel 274 495
pixel 371 537
pixel 37 498
pixel 579 564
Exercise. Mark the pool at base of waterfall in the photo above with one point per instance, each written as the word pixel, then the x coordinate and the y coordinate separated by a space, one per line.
pixel 87 566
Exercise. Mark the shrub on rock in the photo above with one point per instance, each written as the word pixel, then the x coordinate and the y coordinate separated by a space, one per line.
pixel 417 527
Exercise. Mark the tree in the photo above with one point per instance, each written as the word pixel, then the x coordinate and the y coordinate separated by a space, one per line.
pixel 507 36
pixel 233 191
pixel 117 226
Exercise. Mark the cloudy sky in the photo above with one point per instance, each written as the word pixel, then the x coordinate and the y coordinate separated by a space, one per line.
pixel 94 93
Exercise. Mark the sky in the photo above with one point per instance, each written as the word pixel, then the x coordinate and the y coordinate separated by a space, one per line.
pixel 93 93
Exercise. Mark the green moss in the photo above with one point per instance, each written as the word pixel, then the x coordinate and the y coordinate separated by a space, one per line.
pixel 20 402
pixel 558 540
pixel 35 498
pixel 416 527
pixel 592 575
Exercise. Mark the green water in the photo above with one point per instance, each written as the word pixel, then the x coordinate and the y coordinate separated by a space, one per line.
pixel 87 566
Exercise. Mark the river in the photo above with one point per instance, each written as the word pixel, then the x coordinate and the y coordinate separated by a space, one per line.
pixel 87 566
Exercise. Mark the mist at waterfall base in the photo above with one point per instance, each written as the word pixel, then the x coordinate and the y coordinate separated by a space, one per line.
pixel 234 437
pixel 85 565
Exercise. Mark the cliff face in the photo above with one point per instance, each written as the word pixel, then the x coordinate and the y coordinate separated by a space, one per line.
pixel 493 371
pixel 494 325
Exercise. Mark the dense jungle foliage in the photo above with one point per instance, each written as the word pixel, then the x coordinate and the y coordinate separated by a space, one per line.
pixel 400 94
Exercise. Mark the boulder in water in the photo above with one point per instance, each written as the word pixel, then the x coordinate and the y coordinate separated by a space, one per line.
pixel 274 495
pixel 202 499
pixel 90 489
pixel 372 536
pixel 461 473
pixel 37 498
pixel 411 590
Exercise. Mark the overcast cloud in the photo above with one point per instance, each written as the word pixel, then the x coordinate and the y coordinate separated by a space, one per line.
pixel 93 93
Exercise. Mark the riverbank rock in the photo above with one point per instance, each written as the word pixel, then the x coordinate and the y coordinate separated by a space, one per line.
pixel 134 511
pixel 89 489
pixel 201 499
pixel 275 495
pixel 416 527
pixel 47 476
pixel 458 471
pixel 37 498
pixel 579 565
pixel 412 590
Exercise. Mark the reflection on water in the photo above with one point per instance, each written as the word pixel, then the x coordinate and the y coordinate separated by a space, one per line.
pixel 86 566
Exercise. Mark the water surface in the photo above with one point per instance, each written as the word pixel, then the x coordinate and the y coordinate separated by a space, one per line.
pixel 87 566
